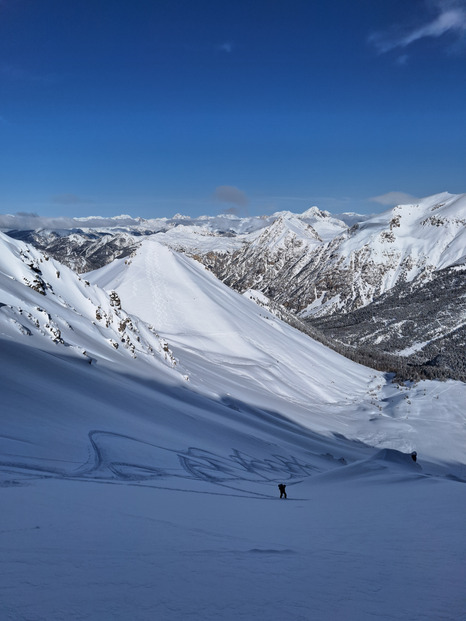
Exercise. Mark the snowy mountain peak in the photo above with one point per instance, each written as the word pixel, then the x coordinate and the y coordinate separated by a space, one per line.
pixel 287 230
pixel 315 212
pixel 410 238
pixel 207 324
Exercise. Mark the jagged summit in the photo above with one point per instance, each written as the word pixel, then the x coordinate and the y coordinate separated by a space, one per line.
pixel 315 212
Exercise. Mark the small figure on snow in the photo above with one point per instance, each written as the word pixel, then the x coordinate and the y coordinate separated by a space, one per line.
pixel 281 487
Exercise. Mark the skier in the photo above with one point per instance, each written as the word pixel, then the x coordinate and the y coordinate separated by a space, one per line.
pixel 281 487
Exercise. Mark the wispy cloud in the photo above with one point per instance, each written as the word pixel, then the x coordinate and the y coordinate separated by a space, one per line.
pixel 449 18
pixel 394 198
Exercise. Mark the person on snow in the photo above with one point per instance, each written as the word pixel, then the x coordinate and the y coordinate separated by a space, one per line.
pixel 281 487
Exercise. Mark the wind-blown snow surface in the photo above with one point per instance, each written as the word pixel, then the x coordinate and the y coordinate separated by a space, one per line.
pixel 140 482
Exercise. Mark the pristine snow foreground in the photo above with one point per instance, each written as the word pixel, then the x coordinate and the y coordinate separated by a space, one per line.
pixel 141 448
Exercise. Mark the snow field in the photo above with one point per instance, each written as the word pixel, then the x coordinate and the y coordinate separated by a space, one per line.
pixel 351 549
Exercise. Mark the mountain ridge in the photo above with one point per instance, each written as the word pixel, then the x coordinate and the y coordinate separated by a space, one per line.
pixel 313 265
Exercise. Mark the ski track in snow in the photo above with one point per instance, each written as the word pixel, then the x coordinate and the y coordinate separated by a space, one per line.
pixel 107 464
pixel 152 273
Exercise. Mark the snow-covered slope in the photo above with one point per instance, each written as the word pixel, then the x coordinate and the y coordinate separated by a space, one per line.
pixel 232 349
pixel 58 311
pixel 144 485
pixel 399 245
pixel 164 316
pixel 224 340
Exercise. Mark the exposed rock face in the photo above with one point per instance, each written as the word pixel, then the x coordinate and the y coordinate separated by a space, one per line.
pixel 274 263
pixel 314 278
pixel 79 250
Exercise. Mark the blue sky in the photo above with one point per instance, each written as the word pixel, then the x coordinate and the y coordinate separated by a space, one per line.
pixel 157 107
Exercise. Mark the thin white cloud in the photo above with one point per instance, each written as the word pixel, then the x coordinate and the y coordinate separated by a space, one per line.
pixel 450 18
pixel 394 198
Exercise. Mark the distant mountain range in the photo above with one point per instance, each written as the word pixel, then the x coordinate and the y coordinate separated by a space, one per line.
pixel 387 290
